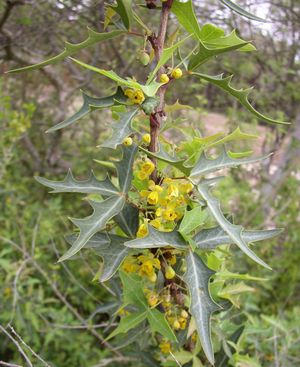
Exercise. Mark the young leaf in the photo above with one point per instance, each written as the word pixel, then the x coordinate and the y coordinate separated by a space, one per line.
pixel 124 9
pixel 202 306
pixel 156 239
pixel 71 49
pixel 210 238
pixel 240 94
pixel 133 290
pixel 90 186
pixel 113 256
pixel 233 231
pixel 128 220
pixel 150 89
pixel 90 104
pixel 103 212
pixel 121 129
pixel 124 167
pixel 239 10
pixel 192 219
pixel 158 323
pixel 205 165
pixel 128 322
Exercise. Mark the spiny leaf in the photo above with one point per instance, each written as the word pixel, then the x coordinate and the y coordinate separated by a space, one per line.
pixel 99 240
pixel 210 238
pixel 205 165
pixel 113 256
pixel 103 212
pixel 202 306
pixel 71 49
pixel 128 220
pixel 150 89
pixel 238 9
pixel 90 104
pixel 124 167
pixel 217 47
pixel 121 129
pixel 233 231
pixel 240 94
pixel 128 322
pixel 156 239
pixel 192 219
pixel 90 186
pixel 124 9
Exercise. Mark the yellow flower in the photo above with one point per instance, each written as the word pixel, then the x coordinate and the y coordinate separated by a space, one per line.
pixel 158 212
pixel 176 325
pixel 158 188
pixel 129 93
pixel 144 193
pixel 173 190
pixel 182 323
pixel 172 260
pixel 152 299
pixel 148 167
pixel 164 78
pixel 153 198
pixel 165 347
pixel 176 73
pixel 184 314
pixel 170 272
pixel 169 215
pixel 156 223
pixel 138 97
pixel 141 175
pixel 146 138
pixel 127 141
pixel 150 258
pixel 186 187
pixel 142 231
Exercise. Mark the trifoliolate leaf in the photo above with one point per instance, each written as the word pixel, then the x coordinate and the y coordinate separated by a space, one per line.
pixel 90 104
pixel 113 256
pixel 124 167
pixel 128 220
pixel 156 239
pixel 233 231
pixel 240 94
pixel 71 49
pixel 103 212
pixel 90 186
pixel 205 165
pixel 121 129
pixel 149 89
pixel 202 306
pixel 239 10
pixel 210 238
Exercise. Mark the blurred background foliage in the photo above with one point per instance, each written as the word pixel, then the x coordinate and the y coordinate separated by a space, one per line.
pixel 60 311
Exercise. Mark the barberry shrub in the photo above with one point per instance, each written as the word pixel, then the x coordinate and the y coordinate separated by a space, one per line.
pixel 156 223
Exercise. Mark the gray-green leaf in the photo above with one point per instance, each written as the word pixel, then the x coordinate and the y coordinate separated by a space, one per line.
pixel 233 231
pixel 90 186
pixel 205 165
pixel 103 212
pixel 202 306
pixel 156 239
pixel 210 238
pixel 121 129
pixel 124 167
pixel 128 220
pixel 90 104
pixel 238 9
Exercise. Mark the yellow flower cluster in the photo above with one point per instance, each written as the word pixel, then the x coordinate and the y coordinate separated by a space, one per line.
pixel 144 265
pixel 135 96
pixel 168 202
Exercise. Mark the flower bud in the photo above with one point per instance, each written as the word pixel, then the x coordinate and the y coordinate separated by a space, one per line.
pixel 170 272
pixel 144 58
pixel 176 73
pixel 146 138
pixel 164 78
pixel 127 141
